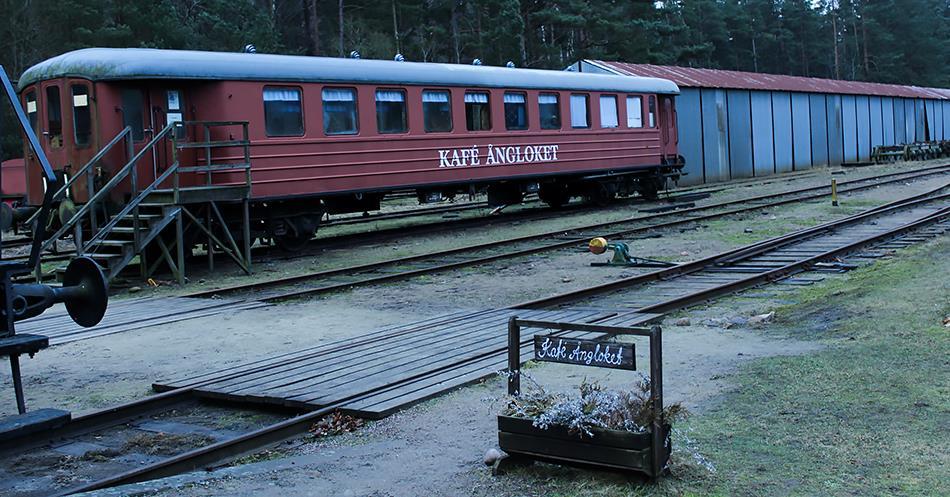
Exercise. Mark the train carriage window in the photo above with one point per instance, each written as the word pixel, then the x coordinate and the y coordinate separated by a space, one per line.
pixel 608 111
pixel 436 110
pixel 477 112
pixel 652 111
pixel 516 112
pixel 339 111
pixel 31 108
pixel 133 113
pixel 580 112
pixel 549 110
pixel 391 111
pixel 82 117
pixel 54 117
pixel 634 112
pixel 283 111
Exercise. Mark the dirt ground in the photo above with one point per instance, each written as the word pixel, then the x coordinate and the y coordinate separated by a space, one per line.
pixel 434 448
pixel 733 377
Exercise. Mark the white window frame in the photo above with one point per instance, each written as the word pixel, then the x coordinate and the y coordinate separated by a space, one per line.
pixel 580 102
pixel 609 115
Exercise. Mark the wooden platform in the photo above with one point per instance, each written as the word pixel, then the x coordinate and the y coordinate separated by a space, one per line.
pixel 378 373
pixel 127 315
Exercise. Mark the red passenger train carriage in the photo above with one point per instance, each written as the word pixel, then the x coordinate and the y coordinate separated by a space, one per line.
pixel 336 135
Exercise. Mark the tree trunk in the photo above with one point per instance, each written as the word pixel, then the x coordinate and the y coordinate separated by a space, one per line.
pixel 311 21
pixel 834 30
pixel 455 31
pixel 341 27
pixel 864 36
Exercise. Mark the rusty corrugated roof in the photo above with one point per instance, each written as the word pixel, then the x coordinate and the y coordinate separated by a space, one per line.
pixel 718 78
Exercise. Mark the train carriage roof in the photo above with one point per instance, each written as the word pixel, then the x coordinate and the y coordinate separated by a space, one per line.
pixel 116 64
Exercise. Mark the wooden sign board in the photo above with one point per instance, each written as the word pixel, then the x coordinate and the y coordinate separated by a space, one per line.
pixel 585 352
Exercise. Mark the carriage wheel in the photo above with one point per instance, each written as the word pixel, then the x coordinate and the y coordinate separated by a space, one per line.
pixel 555 195
pixel 298 230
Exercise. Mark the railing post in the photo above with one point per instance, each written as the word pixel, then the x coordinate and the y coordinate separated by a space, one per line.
pixel 90 191
pixel 133 180
pixel 247 234
pixel 514 356
pixel 208 150
pixel 175 178
pixel 656 397
pixel 180 247
pixel 77 239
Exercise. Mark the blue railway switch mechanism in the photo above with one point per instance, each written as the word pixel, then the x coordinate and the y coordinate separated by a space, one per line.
pixel 621 255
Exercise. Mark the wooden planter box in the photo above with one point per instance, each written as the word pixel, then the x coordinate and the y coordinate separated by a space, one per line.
pixel 614 449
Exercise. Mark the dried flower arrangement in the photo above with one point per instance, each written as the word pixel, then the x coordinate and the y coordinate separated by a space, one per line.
pixel 596 407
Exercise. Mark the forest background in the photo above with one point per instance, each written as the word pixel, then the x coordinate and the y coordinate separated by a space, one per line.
pixel 891 41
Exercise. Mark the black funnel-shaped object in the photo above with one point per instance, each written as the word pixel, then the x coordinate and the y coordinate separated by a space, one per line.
pixel 85 292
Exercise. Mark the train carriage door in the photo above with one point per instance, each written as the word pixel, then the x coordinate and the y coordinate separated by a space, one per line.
pixel 51 125
pixel 32 103
pixel 167 107
pixel 81 108
pixel 667 125
pixel 134 105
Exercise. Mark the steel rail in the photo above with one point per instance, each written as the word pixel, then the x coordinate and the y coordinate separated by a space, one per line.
pixel 224 450
pixel 452 208
pixel 712 187
pixel 534 214
pixel 256 286
pixel 733 255
pixel 122 413
pixel 793 268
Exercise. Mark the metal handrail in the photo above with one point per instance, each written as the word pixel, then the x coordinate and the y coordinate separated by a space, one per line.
pixel 133 203
pixel 209 144
pixel 105 190
pixel 84 169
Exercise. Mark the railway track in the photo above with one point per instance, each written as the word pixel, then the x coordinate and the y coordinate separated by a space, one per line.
pixel 321 282
pixel 403 377
pixel 331 239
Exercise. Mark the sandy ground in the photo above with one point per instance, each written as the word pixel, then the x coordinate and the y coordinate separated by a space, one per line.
pixel 436 448
pixel 442 441
pixel 319 256
pixel 92 374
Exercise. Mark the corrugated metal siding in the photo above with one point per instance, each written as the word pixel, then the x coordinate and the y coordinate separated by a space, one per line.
pixel 900 126
pixel 782 131
pixel 818 114
pixel 715 135
pixel 849 127
pixel 689 126
pixel 763 158
pixel 910 120
pixel 938 120
pixel 801 134
pixel 835 150
pixel 877 124
pixel 931 120
pixel 740 134
pixel 942 120
pixel 919 120
pixel 887 116
pixel 863 116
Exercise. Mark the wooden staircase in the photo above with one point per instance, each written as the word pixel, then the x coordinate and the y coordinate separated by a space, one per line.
pixel 145 219
pixel 116 250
